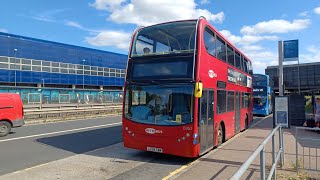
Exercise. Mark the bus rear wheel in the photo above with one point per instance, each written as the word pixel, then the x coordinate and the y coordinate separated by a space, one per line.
pixel 246 122
pixel 220 135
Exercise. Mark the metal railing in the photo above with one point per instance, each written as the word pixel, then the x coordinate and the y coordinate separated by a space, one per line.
pixel 261 150
pixel 310 143
pixel 70 109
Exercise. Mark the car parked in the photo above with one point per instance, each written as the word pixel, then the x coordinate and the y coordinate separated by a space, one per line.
pixel 11 112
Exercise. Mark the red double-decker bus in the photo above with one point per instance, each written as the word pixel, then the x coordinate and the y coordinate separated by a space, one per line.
pixel 187 89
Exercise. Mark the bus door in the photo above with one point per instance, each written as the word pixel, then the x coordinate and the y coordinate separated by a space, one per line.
pixel 237 112
pixel 206 120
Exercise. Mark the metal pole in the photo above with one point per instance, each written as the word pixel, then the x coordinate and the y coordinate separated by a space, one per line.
pixel 262 164
pixel 298 76
pixel 283 148
pixel 297 150
pixel 83 73
pixel 42 93
pixel 280 50
pixel 274 157
pixel 15 68
pixel 280 147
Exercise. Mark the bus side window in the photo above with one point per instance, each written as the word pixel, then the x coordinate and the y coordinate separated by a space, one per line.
pixel 237 59
pixel 245 65
pixel 230 54
pixel 250 68
pixel 210 42
pixel 221 101
pixel 221 49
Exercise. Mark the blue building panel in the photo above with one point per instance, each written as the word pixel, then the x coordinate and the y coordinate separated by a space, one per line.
pixel 35 61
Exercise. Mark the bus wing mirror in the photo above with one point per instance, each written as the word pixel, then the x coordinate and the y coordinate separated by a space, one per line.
pixel 198 90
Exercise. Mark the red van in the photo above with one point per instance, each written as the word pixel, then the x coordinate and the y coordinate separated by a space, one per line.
pixel 11 112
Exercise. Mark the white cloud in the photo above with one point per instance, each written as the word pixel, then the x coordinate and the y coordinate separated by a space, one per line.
pixel 261 60
pixel 276 26
pixel 304 14
pixel 100 38
pixel 74 24
pixel 204 1
pixel 120 40
pixel 312 55
pixel 250 48
pixel 79 26
pixel 246 39
pixel 317 10
pixel 47 16
pixel 146 12
pixel 107 4
pixel 250 39
pixel 3 30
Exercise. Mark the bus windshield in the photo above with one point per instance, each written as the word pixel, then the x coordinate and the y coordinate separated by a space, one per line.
pixel 260 96
pixel 159 104
pixel 175 37
pixel 260 80
pixel 261 101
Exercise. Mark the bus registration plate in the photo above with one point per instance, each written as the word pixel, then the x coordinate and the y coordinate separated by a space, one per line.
pixel 154 149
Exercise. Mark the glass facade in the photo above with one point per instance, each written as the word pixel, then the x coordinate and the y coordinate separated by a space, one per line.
pixel 309 76
pixel 32 61
pixel 65 96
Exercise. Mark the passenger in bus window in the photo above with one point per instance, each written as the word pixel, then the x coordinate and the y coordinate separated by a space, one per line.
pixel 146 50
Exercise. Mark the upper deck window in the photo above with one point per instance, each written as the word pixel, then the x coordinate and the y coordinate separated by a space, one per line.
pixel 175 37
pixel 221 49
pixel 210 41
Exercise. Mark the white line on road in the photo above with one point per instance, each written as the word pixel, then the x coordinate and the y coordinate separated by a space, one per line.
pixel 59 132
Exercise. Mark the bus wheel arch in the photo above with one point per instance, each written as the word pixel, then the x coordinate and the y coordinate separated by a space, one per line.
pixel 221 133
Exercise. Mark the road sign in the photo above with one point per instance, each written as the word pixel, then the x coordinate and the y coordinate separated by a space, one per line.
pixel 290 50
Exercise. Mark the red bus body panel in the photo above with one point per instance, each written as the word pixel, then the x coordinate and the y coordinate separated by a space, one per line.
pixel 11 109
pixel 139 136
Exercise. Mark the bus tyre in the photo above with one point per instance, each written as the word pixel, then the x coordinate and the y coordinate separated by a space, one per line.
pixel 246 122
pixel 5 128
pixel 220 135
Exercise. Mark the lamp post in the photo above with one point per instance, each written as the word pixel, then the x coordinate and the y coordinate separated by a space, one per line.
pixel 42 83
pixel 83 60
pixel 42 93
pixel 15 68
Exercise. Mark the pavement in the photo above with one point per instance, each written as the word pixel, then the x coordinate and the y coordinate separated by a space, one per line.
pixel 225 160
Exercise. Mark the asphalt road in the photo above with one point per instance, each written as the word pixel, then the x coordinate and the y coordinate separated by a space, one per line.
pixel 32 145
pixel 93 145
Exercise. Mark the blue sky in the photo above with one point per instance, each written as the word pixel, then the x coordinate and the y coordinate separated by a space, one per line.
pixel 255 27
